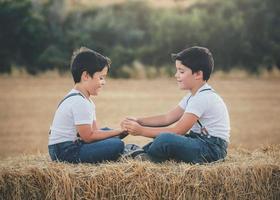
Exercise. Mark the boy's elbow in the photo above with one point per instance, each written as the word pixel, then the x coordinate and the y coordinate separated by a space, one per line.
pixel 180 131
pixel 167 120
pixel 87 140
pixel 87 137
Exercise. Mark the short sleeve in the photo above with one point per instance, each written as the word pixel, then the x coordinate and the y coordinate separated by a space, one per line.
pixel 83 112
pixel 197 105
pixel 184 101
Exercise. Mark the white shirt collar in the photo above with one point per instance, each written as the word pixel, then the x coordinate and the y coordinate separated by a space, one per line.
pixel 203 87
pixel 77 91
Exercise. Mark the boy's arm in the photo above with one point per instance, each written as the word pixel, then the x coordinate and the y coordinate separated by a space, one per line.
pixel 90 133
pixel 162 120
pixel 181 127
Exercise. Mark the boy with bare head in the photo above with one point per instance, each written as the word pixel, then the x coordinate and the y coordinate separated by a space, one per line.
pixel 74 135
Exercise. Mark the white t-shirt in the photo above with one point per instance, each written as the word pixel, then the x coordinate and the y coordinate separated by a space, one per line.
pixel 75 110
pixel 211 110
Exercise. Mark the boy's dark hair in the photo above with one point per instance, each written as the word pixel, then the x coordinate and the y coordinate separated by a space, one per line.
pixel 85 59
pixel 197 59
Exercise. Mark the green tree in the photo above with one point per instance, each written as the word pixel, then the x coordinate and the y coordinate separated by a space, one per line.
pixel 21 36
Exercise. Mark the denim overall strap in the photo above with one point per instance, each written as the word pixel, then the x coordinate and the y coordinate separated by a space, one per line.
pixel 70 95
pixel 203 129
pixel 206 89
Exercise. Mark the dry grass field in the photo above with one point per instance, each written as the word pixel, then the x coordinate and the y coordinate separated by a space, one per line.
pixel 27 105
pixel 251 170
pixel 243 175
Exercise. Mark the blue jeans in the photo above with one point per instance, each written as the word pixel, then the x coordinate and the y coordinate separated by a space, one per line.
pixel 80 152
pixel 191 148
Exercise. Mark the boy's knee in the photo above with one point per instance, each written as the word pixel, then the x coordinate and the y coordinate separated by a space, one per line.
pixel 161 142
pixel 117 144
pixel 164 138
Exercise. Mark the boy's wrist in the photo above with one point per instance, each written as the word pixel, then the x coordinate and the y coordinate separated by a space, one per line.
pixel 123 134
pixel 138 121
pixel 141 130
pixel 119 131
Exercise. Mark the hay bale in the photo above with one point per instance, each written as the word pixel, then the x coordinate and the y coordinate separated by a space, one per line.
pixel 244 175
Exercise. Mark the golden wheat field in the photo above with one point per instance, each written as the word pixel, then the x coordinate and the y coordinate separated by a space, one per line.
pixel 251 170
pixel 27 105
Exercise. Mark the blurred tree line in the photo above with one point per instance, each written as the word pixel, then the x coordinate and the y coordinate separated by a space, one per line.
pixel 41 35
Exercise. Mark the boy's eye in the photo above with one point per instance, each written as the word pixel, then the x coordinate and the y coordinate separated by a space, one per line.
pixel 181 71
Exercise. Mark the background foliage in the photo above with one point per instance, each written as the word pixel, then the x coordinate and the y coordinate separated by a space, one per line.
pixel 41 35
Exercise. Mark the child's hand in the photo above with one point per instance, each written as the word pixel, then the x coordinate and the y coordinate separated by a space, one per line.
pixel 123 134
pixel 131 126
pixel 132 118
pixel 122 125
pixel 127 118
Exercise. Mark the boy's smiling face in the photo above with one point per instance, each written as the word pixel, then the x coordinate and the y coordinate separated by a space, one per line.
pixel 184 76
pixel 96 82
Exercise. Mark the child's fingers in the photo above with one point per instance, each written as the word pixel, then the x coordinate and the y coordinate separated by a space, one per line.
pixel 128 123
pixel 122 125
pixel 125 121
pixel 127 126
pixel 131 119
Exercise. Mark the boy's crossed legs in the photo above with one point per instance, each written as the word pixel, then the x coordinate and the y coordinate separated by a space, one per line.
pixel 192 148
pixel 80 152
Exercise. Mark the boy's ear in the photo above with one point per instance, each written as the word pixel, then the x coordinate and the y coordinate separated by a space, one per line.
pixel 84 76
pixel 199 75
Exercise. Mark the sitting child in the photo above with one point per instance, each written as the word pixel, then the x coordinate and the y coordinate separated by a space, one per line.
pixel 74 135
pixel 202 113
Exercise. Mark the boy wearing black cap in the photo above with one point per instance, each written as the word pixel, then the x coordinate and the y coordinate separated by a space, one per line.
pixel 201 127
